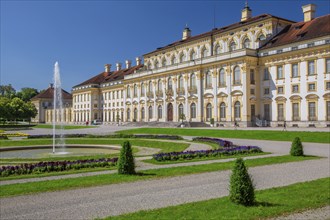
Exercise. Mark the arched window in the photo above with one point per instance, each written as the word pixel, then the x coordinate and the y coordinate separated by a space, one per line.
pixel 135 90
pixel 193 110
pixel 128 92
pixel 192 55
pixel 180 110
pixel 192 80
pixel 150 112
pixel 208 80
pixel 237 76
pixel 237 110
pixel 163 62
pixel 261 37
pixel 150 86
pixel 205 53
pixel 232 46
pixel 208 112
pixel 143 90
pixel 135 114
pixel 222 78
pixel 173 60
pixel 148 65
pixel 156 64
pixel 222 111
pixel 169 83
pixel 128 114
pixel 142 113
pixel 181 82
pixel 246 43
pixel 160 112
pixel 159 85
pixel 217 50
pixel 182 57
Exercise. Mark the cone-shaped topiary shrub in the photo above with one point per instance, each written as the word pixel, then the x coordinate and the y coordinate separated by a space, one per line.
pixel 241 186
pixel 296 148
pixel 126 160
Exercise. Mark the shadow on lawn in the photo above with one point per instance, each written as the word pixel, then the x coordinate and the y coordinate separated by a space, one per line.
pixel 144 174
pixel 265 204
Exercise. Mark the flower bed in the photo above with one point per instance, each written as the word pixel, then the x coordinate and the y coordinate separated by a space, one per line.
pixel 218 141
pixel 56 166
pixel 16 134
pixel 188 155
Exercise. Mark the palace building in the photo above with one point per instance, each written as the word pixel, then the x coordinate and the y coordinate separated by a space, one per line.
pixel 263 70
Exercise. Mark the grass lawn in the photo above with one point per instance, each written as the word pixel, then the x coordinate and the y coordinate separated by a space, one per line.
pixel 152 143
pixel 49 126
pixel 316 137
pixel 270 203
pixel 92 181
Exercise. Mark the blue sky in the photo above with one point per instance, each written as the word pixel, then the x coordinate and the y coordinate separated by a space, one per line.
pixel 84 35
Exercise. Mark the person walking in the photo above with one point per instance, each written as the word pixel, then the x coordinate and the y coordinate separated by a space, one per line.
pixel 284 126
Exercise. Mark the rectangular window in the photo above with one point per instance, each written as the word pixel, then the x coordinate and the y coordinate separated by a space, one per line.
pixel 327 85
pixel 266 73
pixel 295 88
pixel 280 72
pixel 252 91
pixel 267 112
pixel 328 110
pixel 295 112
pixel 311 87
pixel 280 112
pixel 311 67
pixel 266 91
pixel 311 111
pixel 327 65
pixel 252 81
pixel 295 70
pixel 280 90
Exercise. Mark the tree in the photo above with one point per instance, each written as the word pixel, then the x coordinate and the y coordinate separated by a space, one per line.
pixel 296 148
pixel 30 111
pixel 241 186
pixel 4 109
pixel 27 93
pixel 7 91
pixel 182 117
pixel 126 163
pixel 16 108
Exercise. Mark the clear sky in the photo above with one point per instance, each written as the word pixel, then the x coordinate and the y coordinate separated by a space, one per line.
pixel 84 35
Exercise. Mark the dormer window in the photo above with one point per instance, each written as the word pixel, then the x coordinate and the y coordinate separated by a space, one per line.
pixel 246 43
pixel 232 46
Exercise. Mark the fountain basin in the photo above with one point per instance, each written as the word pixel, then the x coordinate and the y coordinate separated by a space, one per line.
pixel 42 151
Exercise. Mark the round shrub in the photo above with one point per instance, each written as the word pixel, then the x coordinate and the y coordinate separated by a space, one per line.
pixel 241 186
pixel 296 148
pixel 126 160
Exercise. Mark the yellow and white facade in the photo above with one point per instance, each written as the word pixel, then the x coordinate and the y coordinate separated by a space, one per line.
pixel 230 74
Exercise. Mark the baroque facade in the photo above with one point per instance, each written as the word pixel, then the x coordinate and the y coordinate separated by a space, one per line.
pixel 263 70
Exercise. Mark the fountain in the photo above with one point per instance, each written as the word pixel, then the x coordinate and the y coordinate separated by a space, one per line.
pixel 58 113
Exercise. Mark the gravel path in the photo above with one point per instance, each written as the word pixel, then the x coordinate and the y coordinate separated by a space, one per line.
pixel 89 203
pixel 313 214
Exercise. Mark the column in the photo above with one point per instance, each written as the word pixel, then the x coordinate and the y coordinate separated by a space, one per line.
pixel 125 109
pixel 229 98
pixel 154 111
pixel 244 81
pixel 215 98
pixel 175 109
pixel 164 102
pixel 199 85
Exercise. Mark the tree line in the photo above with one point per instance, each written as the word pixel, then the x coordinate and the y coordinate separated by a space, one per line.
pixel 15 105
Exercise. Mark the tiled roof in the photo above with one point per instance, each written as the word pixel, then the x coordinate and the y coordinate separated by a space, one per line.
pixel 108 77
pixel 301 31
pixel 220 30
pixel 49 94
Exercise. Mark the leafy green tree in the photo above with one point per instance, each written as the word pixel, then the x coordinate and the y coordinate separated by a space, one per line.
pixel 27 93
pixel 30 111
pixel 126 163
pixel 7 91
pixel 5 112
pixel 296 148
pixel 16 107
pixel 241 186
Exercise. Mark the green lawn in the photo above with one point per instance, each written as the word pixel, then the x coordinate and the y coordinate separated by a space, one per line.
pixel 316 137
pixel 49 126
pixel 152 143
pixel 91 181
pixel 270 203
